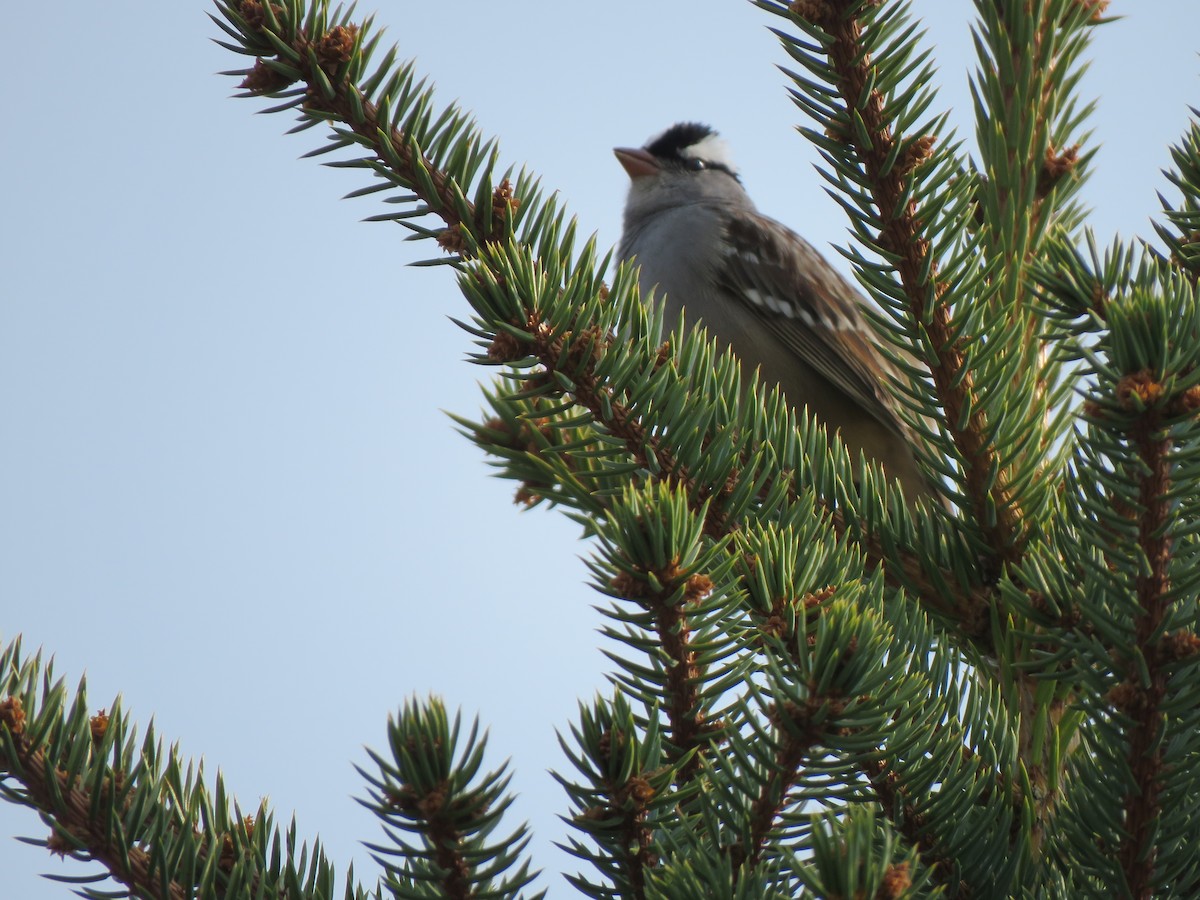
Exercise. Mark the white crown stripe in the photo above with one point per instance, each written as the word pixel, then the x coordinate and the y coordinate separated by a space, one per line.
pixel 712 150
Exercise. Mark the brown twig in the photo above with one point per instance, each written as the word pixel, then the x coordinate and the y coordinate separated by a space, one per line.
pixel 786 627
pixel 50 790
pixel 690 729
pixel 628 804
pixel 902 238
pixel 892 794
pixel 439 828
pixel 796 737
pixel 1142 702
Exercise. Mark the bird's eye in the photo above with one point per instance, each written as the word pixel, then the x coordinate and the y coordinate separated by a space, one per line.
pixel 695 165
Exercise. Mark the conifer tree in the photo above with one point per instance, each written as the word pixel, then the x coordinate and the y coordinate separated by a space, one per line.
pixel 817 690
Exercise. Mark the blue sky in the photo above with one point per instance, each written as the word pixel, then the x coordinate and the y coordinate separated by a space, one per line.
pixel 228 487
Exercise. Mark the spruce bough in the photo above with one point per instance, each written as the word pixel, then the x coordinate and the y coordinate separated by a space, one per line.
pixel 816 689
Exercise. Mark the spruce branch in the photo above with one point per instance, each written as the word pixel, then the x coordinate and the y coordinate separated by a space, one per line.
pixel 960 295
pixel 788 627
pixel 867 124
pixel 547 458
pixel 1028 126
pixel 688 728
pixel 796 740
pixel 1155 652
pixel 630 793
pixel 893 802
pixel 576 356
pixel 151 824
pixel 798 728
pixel 976 781
pixel 574 351
pixel 656 457
pixel 1181 231
pixel 1027 74
pixel 432 787
pixel 1118 598
pixel 1139 697
pixel 826 693
pixel 78 831
pixel 857 856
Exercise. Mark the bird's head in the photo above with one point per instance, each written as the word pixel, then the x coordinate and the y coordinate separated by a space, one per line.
pixel 687 163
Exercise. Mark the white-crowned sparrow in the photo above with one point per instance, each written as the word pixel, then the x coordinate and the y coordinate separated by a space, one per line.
pixel 763 290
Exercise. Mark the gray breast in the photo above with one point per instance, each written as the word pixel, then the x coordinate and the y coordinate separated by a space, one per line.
pixel 674 250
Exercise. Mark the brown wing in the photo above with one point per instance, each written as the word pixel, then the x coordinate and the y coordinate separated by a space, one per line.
pixel 809 308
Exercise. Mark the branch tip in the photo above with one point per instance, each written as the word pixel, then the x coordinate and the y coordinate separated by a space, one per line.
pixel 1056 167
pixel 254 14
pixel 1139 390
pixel 336 46
pixel 12 715
pixel 262 79
pixel 896 882
pixel 99 726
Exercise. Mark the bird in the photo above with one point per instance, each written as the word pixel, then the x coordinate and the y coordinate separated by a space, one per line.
pixel 762 290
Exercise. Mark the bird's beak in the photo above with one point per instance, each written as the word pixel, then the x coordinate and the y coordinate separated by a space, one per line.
pixel 638 163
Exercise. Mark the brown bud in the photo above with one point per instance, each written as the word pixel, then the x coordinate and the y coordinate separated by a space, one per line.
pixel 505 348
pixel 698 587
pixel 262 79
pixel 1056 167
pixel 1142 385
pixel 99 726
pixel 12 715
pixel 451 239
pixel 1177 645
pixel 336 46
pixel 816 11
pixel 918 151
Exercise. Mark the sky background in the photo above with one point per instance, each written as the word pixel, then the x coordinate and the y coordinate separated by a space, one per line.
pixel 229 491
